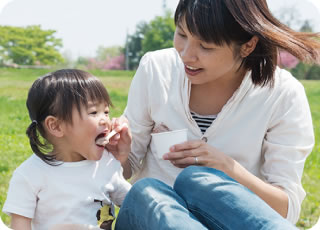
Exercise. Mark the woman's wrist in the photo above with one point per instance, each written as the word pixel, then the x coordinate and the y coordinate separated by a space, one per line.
pixel 127 172
pixel 228 165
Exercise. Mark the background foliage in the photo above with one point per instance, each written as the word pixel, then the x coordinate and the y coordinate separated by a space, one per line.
pixel 29 46
pixel 155 35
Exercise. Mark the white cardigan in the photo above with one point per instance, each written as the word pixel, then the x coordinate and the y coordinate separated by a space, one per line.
pixel 267 130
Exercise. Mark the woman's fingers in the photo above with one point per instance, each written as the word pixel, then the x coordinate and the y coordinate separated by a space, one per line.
pixel 120 125
pixel 185 162
pixel 186 145
pixel 184 150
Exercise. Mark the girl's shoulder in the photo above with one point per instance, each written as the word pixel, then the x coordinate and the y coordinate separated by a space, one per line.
pixel 31 172
pixel 33 163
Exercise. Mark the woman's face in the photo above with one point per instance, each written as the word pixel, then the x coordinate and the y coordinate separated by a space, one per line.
pixel 205 62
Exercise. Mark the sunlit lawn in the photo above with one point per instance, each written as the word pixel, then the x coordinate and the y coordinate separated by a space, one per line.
pixel 14 147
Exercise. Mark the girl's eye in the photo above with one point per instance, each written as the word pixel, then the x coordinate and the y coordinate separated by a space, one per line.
pixel 106 112
pixel 182 35
pixel 93 112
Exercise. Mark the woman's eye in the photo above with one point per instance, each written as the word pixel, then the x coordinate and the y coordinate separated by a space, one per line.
pixel 206 48
pixel 182 35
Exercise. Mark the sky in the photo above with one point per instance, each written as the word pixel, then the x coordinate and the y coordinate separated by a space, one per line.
pixel 84 25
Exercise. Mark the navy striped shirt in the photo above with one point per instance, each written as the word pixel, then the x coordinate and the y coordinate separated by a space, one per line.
pixel 203 121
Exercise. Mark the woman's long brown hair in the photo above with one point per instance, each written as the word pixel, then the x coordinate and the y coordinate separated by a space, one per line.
pixel 237 21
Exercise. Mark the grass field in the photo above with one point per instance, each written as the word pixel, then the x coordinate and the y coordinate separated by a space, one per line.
pixel 14 147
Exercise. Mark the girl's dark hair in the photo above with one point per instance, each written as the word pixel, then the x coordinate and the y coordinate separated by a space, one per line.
pixel 56 94
pixel 236 22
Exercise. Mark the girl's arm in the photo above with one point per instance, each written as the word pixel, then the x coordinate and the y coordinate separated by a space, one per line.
pixel 20 222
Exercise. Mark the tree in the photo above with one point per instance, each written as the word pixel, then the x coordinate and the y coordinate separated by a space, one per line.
pixel 29 46
pixel 291 17
pixel 157 34
pixel 134 45
pixel 306 26
pixel 306 71
pixel 287 60
pixel 107 58
pixel 105 53
pixel 160 33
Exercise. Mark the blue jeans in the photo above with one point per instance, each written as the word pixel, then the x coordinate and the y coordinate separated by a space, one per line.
pixel 201 198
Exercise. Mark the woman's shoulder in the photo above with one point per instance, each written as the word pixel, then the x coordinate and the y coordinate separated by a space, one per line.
pixel 284 80
pixel 158 67
pixel 168 56
pixel 286 89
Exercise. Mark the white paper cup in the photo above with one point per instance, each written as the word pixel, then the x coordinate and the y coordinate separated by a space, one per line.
pixel 163 141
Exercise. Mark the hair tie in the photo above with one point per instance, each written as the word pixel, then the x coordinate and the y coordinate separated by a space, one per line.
pixel 35 122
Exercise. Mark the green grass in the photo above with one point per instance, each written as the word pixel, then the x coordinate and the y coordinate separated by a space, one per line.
pixel 311 177
pixel 14 147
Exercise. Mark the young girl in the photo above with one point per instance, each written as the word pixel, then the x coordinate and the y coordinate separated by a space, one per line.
pixel 69 179
pixel 249 123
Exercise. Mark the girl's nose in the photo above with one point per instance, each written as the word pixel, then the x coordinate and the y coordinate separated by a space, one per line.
pixel 103 120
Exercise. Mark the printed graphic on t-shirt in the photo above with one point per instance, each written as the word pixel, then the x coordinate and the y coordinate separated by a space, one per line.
pixel 105 215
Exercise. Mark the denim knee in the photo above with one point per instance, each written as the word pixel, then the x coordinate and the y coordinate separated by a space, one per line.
pixel 141 185
pixel 185 179
pixel 194 176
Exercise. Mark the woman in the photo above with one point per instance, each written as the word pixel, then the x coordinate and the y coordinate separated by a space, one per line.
pixel 249 124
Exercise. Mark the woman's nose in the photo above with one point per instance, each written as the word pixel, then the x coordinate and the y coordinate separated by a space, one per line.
pixel 188 53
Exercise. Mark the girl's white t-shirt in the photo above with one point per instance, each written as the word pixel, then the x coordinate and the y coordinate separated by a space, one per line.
pixel 68 193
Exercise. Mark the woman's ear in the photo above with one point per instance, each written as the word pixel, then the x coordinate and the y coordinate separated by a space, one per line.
pixel 248 47
pixel 53 126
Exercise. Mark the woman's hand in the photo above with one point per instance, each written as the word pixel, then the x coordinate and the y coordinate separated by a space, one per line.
pixel 120 144
pixel 198 152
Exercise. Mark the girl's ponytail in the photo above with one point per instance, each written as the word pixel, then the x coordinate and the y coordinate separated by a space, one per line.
pixel 37 147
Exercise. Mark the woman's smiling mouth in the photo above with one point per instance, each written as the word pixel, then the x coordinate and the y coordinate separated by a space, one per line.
pixel 192 70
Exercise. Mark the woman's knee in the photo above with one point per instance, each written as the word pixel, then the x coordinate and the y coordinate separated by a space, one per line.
pixel 195 177
pixel 145 190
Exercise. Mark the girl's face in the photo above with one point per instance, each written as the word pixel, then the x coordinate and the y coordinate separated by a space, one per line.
pixel 81 135
pixel 204 62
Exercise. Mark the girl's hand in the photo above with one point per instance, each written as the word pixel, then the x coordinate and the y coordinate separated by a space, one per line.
pixel 120 144
pixel 198 152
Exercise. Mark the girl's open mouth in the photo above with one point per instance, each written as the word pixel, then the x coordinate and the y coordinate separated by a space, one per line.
pixel 100 139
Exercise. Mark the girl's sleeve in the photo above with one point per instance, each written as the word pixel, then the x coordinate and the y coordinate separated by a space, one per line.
pixel 288 142
pixel 121 187
pixel 138 113
pixel 21 197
